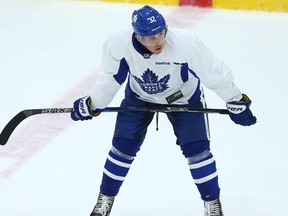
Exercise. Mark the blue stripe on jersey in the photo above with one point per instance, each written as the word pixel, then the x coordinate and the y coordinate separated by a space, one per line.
pixel 193 73
pixel 184 72
pixel 122 73
pixel 196 97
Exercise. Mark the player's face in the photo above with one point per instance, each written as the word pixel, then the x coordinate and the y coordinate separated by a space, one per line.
pixel 154 43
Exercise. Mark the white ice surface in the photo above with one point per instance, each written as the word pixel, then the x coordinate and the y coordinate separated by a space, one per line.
pixel 50 54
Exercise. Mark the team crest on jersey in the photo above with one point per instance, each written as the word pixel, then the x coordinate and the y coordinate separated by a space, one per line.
pixel 150 83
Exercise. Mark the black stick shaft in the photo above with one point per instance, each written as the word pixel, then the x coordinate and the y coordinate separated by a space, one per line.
pixel 16 120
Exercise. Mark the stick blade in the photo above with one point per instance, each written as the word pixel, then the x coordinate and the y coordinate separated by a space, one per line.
pixel 10 127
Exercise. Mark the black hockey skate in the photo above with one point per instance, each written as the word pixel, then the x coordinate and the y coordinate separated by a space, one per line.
pixel 103 206
pixel 213 208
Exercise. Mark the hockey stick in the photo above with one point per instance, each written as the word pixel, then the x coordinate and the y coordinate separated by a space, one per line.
pixel 16 120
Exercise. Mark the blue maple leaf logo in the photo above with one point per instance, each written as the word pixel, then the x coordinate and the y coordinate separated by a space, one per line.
pixel 150 83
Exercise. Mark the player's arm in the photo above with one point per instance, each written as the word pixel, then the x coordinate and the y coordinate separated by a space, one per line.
pixel 114 73
pixel 217 76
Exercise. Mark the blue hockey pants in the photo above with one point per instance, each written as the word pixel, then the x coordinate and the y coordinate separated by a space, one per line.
pixel 191 131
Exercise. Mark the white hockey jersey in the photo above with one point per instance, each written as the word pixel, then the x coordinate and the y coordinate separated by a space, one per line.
pixel 172 76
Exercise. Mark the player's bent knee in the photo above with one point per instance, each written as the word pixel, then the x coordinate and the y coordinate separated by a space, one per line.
pixel 197 150
pixel 126 146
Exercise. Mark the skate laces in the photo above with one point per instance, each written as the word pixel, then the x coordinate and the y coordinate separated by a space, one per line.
pixel 212 208
pixel 104 204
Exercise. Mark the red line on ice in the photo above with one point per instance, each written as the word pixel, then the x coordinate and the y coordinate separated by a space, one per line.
pixel 27 141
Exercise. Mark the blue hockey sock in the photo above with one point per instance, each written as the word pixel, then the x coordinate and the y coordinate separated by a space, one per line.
pixel 115 170
pixel 204 173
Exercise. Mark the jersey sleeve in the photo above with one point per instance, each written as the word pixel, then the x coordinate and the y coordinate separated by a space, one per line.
pixel 114 72
pixel 213 72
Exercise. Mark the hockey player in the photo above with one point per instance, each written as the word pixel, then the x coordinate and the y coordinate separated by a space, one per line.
pixel 164 65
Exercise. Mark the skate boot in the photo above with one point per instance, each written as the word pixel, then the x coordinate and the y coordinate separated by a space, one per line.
pixel 213 208
pixel 103 206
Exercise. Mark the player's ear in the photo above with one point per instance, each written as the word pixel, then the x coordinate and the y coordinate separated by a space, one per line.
pixel 137 38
